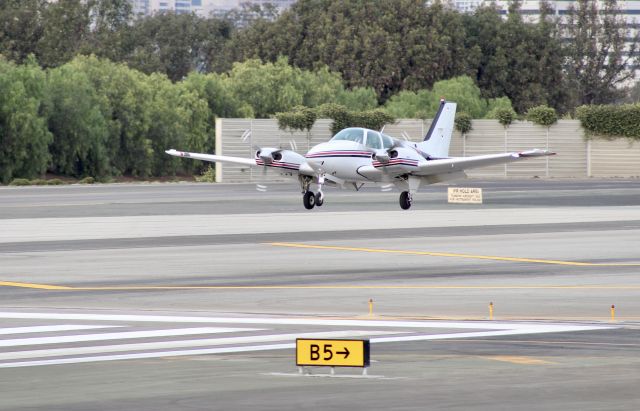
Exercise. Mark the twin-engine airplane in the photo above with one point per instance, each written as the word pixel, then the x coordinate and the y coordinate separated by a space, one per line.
pixel 358 156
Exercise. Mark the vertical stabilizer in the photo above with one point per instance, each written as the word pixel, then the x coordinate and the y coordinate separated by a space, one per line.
pixel 436 142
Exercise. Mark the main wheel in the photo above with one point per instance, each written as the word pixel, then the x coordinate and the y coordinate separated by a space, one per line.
pixel 405 200
pixel 309 200
pixel 319 198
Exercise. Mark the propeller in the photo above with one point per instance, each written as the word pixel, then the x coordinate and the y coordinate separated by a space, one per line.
pixel 268 156
pixel 384 155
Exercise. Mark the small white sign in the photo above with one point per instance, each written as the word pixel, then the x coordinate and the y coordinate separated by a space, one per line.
pixel 465 195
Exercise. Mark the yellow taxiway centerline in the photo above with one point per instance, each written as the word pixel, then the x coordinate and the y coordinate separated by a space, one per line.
pixel 520 360
pixel 438 254
pixel 318 287
pixel 36 286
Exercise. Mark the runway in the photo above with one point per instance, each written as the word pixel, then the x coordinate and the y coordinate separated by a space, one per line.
pixel 166 296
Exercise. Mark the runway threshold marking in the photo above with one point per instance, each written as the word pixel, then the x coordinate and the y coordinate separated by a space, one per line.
pixel 456 255
pixel 379 331
pixel 319 287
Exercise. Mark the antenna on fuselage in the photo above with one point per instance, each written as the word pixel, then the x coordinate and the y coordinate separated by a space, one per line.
pixel 382 129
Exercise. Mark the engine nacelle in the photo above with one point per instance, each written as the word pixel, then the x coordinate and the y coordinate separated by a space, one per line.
pixel 397 157
pixel 269 155
pixel 404 153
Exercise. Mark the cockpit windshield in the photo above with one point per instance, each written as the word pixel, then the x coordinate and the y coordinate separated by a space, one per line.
pixel 387 141
pixel 373 140
pixel 350 134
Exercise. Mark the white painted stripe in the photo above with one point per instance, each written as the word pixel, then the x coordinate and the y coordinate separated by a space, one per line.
pixel 223 350
pixel 51 328
pixel 486 325
pixel 59 352
pixel 149 355
pixel 82 228
pixel 119 336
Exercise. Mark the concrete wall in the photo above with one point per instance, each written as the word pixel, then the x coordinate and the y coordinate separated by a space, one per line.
pixel 576 157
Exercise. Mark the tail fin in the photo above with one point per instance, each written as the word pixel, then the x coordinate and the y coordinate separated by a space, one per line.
pixel 436 142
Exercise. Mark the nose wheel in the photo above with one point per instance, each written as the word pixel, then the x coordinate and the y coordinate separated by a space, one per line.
pixel 405 200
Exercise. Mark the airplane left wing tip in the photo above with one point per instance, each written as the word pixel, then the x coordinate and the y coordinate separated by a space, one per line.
pixel 536 153
pixel 176 153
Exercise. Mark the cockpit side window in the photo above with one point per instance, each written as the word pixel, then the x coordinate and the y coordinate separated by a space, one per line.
pixel 350 134
pixel 373 140
pixel 387 141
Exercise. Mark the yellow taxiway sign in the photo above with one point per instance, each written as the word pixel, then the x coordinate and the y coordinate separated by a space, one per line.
pixel 332 353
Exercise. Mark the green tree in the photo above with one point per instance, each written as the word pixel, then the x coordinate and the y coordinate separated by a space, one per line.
pixel 76 119
pixel 65 29
pixel 410 104
pixel 178 118
pixel 24 137
pixel 216 90
pixel 461 90
pixel 21 27
pixel 389 45
pixel 601 55
pixel 110 26
pixel 165 44
pixel 128 95
pixel 277 87
pixel 359 98
pixel 519 60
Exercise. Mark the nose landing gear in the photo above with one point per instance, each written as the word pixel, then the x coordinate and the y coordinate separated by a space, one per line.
pixel 405 200
pixel 309 198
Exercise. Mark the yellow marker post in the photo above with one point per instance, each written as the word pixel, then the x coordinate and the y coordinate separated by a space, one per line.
pixel 613 312
pixel 332 353
pixel 491 310
pixel 370 306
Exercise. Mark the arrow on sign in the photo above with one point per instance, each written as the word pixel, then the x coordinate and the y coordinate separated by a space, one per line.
pixel 345 352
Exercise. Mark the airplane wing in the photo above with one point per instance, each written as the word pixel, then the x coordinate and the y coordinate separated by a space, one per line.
pixel 290 162
pixel 458 164
pixel 213 158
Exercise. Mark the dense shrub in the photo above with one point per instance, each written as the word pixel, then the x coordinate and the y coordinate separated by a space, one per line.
pixel 20 182
pixel 610 121
pixel 87 180
pixel 463 122
pixel 300 118
pixel 505 116
pixel 542 115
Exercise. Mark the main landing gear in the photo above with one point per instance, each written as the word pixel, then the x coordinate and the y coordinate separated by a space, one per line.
pixel 405 200
pixel 310 200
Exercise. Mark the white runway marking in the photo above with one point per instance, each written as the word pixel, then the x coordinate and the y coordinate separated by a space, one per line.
pixel 84 228
pixel 59 352
pixel 490 325
pixel 51 328
pixel 378 331
pixel 119 336
pixel 149 355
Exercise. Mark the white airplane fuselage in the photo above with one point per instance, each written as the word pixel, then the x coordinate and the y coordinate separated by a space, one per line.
pixel 341 159
pixel 374 159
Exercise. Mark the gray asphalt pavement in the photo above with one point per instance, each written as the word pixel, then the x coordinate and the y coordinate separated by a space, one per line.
pixel 552 256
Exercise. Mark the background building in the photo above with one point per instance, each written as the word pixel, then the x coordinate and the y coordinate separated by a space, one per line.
pixel 204 8
pixel 531 8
